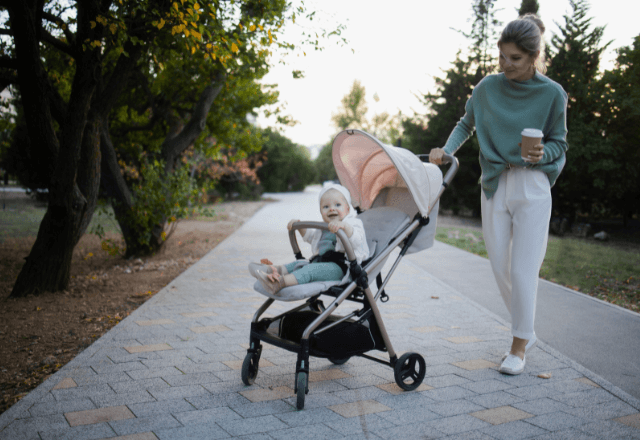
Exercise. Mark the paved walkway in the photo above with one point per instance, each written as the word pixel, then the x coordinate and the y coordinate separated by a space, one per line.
pixel 171 370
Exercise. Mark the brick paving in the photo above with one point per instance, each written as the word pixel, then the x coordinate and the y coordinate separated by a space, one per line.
pixel 171 369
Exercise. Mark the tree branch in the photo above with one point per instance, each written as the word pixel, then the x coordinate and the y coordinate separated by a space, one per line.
pixel 48 38
pixel 60 22
pixel 173 146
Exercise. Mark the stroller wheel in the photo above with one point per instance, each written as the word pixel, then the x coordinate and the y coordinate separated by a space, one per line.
pixel 301 385
pixel 409 371
pixel 250 368
pixel 339 361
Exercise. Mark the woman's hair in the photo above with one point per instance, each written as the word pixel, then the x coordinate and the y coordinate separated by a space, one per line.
pixel 526 32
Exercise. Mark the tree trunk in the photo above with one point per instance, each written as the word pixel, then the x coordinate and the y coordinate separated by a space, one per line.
pixel 48 265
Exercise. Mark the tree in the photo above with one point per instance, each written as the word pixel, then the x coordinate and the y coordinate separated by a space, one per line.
pixel 621 119
pixel 323 164
pixel 83 68
pixel 353 114
pixel 288 166
pixel 483 35
pixel 528 6
pixel 445 107
pixel 574 64
pixel 353 110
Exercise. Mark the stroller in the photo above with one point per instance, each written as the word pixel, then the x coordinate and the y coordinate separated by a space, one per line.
pixel 394 193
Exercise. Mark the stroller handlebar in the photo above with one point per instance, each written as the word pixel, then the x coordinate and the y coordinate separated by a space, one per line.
pixel 451 172
pixel 342 236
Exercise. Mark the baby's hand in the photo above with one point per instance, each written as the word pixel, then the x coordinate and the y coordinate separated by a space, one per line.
pixel 290 225
pixel 335 225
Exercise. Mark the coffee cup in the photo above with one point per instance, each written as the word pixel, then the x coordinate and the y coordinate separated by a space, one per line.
pixel 530 138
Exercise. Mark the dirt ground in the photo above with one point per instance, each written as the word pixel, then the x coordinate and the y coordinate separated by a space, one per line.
pixel 40 334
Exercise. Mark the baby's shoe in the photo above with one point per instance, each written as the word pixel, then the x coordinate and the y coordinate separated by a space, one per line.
pixel 273 287
pixel 255 267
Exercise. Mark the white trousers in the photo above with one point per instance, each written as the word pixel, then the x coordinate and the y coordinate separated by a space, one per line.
pixel 515 225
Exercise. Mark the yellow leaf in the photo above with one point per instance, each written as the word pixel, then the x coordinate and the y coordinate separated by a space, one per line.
pixel 240 24
pixel 234 48
pixel 187 33
pixel 198 35
pixel 261 28
pixel 252 27
pixel 113 28
pixel 163 235
pixel 194 25
pixel 193 50
pixel 93 24
pixel 196 6
pixel 161 24
pixel 175 6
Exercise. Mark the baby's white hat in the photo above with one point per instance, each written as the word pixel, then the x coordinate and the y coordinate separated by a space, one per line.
pixel 344 191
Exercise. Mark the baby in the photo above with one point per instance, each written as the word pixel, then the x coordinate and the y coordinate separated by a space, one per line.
pixel 329 262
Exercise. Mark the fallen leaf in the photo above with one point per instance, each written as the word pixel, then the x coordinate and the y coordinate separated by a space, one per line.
pixel 266 261
pixel 544 375
pixel 435 297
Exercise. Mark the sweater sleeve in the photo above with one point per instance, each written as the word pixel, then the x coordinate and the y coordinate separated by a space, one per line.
pixel 462 131
pixel 555 140
pixel 358 240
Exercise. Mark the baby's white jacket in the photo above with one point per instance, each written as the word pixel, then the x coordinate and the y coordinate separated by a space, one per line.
pixel 358 239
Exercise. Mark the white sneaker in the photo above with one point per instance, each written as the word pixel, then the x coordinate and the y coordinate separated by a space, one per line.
pixel 530 344
pixel 512 365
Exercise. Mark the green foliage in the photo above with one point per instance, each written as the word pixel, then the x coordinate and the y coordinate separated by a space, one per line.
pixel 353 108
pixel 324 164
pixel 527 6
pixel 445 107
pixel 161 198
pixel 287 167
pixel 483 35
pixel 574 65
pixel 620 116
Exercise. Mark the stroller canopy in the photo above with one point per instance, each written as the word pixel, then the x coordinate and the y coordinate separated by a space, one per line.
pixel 368 169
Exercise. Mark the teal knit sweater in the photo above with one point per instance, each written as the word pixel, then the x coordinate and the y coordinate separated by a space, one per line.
pixel 500 109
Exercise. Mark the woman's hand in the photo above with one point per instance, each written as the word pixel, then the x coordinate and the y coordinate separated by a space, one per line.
pixel 335 225
pixel 435 156
pixel 535 154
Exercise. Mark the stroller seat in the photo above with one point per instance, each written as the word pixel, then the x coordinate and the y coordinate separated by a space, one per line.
pixel 381 225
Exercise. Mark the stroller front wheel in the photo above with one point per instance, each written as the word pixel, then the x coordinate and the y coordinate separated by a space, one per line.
pixel 301 385
pixel 250 368
pixel 409 371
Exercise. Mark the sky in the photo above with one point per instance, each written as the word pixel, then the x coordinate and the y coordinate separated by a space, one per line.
pixel 395 49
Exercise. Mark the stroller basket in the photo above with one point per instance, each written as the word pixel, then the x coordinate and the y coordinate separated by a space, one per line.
pixel 395 193
pixel 342 340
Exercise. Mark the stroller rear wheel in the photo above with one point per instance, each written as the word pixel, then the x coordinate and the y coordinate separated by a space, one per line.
pixel 339 361
pixel 250 368
pixel 409 371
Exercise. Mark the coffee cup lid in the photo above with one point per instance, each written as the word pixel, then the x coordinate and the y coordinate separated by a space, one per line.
pixel 532 132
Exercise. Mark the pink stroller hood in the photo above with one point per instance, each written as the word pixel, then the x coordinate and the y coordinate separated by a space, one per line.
pixel 366 167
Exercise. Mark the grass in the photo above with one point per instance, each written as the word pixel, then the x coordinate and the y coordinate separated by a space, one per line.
pixel 599 270
pixel 21 217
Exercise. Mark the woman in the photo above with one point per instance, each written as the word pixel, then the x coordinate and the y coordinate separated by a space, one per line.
pixel 516 196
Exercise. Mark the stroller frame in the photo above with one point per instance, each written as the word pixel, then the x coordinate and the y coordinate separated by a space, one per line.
pixel 409 369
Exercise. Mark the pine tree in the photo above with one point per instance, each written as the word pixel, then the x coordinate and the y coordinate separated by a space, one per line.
pixel 575 59
pixel 621 118
pixel 528 6
pixel 484 35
